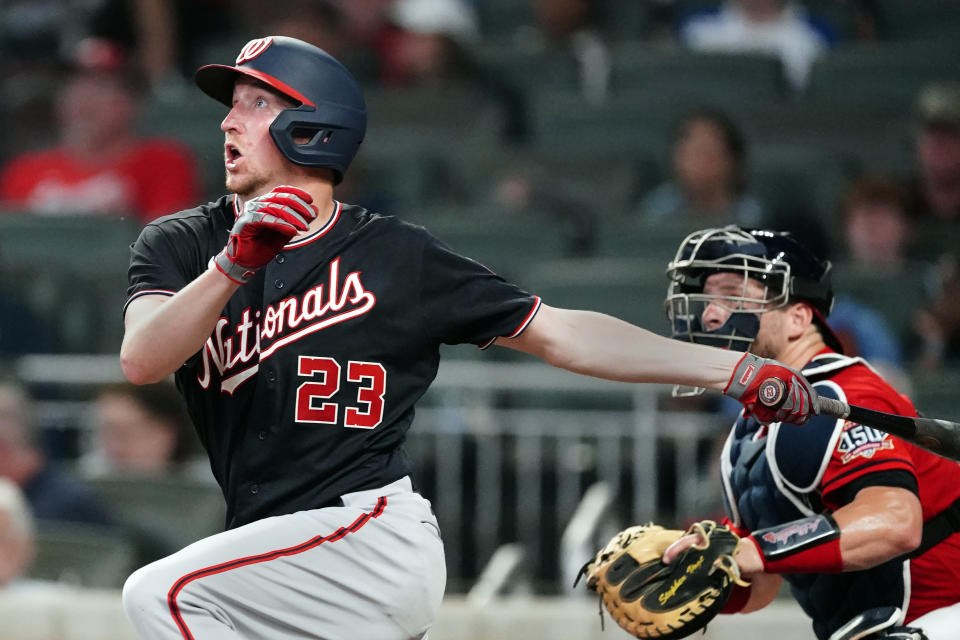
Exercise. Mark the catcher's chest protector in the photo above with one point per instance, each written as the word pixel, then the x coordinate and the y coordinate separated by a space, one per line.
pixel 771 475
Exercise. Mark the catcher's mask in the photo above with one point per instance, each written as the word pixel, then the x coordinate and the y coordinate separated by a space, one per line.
pixel 331 114
pixel 787 271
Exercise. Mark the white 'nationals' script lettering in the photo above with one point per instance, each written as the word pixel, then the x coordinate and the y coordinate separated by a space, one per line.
pixel 288 321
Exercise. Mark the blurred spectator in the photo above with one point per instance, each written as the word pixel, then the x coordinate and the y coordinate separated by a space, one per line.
pixel 428 45
pixel 17 542
pixel 531 188
pixel 866 20
pixel 861 329
pixel 708 182
pixel 877 229
pixel 142 430
pixel 100 165
pixel 50 493
pixel 320 22
pixel 570 26
pixel 164 38
pixel 935 188
pixel 937 326
pixel 662 15
pixel 864 332
pixel 779 27
pixel 366 20
pixel 32 35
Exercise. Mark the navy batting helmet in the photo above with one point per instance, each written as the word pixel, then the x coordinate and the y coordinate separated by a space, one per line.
pixel 788 271
pixel 331 114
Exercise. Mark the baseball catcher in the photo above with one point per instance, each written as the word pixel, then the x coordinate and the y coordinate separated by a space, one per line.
pixel 651 599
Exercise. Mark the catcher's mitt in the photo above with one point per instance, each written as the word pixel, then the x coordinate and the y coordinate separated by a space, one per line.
pixel 651 599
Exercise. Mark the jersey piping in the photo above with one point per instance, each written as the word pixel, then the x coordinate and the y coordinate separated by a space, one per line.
pixel 319 233
pixel 339 534
pixel 147 292
pixel 523 325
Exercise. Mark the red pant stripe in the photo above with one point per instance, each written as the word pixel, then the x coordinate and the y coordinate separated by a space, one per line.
pixel 179 585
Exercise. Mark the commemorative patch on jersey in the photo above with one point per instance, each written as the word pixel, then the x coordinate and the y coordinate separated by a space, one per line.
pixel 861 441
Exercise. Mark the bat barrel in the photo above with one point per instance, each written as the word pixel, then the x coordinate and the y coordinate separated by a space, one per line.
pixel 939 436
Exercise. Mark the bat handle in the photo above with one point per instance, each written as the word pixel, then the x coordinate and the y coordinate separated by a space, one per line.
pixel 833 408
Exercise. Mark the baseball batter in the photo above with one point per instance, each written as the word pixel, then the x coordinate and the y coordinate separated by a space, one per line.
pixel 302 331
pixel 864 526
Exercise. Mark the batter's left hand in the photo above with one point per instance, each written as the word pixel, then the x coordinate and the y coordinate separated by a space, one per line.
pixel 799 397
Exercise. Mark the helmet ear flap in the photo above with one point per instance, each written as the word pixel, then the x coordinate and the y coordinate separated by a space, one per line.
pixel 323 136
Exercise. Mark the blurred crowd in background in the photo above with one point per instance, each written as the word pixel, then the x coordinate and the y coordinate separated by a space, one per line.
pixel 552 139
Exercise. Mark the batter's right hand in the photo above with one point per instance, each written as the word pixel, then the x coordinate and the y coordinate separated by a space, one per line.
pixel 798 400
pixel 267 223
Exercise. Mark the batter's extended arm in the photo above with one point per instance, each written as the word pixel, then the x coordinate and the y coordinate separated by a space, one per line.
pixel 603 346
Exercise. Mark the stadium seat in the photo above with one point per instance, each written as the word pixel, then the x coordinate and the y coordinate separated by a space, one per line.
pixel 90 244
pixel 933 239
pixel 161 514
pixel 508 242
pixel 635 238
pixel 897 297
pixel 409 146
pixel 529 69
pixel 96 557
pixel 793 180
pixel 627 122
pixel 864 134
pixel 72 271
pixel 430 117
pixel 888 73
pixel 934 394
pixel 710 77
pixel 910 20
pixel 400 177
pixel 840 17
pixel 499 19
pixel 632 289
pixel 624 21
pixel 608 187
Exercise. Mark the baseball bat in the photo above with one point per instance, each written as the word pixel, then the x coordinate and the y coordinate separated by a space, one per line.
pixel 941 437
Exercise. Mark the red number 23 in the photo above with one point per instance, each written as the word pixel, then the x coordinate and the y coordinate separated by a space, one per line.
pixel 371 375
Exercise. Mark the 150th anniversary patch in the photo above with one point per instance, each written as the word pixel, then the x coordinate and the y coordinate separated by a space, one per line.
pixel 859 440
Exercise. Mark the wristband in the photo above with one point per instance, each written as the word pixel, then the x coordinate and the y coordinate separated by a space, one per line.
pixel 232 270
pixel 807 545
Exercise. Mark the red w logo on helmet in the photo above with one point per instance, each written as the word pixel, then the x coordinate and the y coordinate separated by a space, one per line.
pixel 253 48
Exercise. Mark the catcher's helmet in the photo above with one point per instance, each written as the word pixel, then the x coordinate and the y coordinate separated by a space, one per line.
pixel 788 271
pixel 331 112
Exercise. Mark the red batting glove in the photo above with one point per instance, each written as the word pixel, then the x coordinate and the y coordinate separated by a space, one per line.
pixel 267 223
pixel 799 397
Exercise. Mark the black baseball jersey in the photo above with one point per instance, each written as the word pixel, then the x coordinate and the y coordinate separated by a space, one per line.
pixel 306 388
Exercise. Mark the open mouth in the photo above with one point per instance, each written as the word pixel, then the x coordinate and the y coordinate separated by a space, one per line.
pixel 231 155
